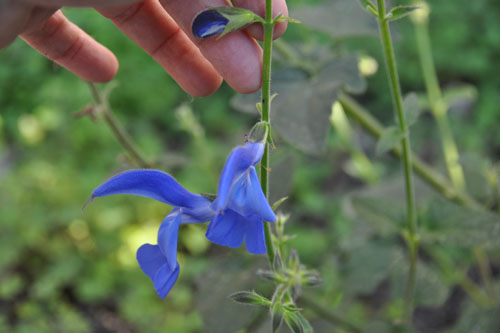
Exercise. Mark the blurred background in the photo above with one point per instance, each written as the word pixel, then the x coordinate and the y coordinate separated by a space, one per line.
pixel 67 270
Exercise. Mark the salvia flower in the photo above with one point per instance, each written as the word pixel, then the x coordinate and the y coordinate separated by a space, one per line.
pixel 159 262
pixel 241 206
pixel 237 213
pixel 222 20
pixel 209 23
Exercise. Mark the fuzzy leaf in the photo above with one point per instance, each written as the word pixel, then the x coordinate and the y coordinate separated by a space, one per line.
pixel 368 6
pixel 281 18
pixel 312 280
pixel 277 263
pixel 454 225
pixel 293 322
pixel 302 110
pixel 339 18
pixel 239 18
pixel 268 275
pixel 411 109
pixel 277 314
pixel 306 326
pixel 249 297
pixel 399 12
pixel 390 138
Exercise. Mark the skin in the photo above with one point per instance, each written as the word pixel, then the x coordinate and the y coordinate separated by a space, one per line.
pixel 161 27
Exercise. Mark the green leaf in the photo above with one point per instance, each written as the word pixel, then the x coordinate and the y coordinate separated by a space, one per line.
pixel 306 326
pixel 312 280
pixel 277 263
pixel 281 18
pixel 268 276
pixel 293 322
pixel 411 109
pixel 239 18
pixel 477 319
pixel 277 314
pixel 368 6
pixel 368 265
pixel 250 297
pixel 399 12
pixel 430 289
pixel 301 111
pixel 390 138
pixel 339 18
pixel 279 202
pixel 450 224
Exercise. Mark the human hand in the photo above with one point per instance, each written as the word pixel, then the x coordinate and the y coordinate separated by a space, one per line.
pixel 161 27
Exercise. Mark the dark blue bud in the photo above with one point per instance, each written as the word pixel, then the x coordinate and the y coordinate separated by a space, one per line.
pixel 209 23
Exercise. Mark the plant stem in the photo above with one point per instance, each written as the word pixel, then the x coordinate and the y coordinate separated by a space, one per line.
pixel 439 110
pixel 426 172
pixel 325 313
pixel 412 238
pixel 266 109
pixel 122 136
pixel 437 104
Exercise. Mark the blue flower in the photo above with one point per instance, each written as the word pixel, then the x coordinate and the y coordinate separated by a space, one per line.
pixel 209 23
pixel 237 214
pixel 159 262
pixel 241 206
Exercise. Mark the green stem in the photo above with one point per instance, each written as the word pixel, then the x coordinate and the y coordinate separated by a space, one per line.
pixel 325 313
pixel 483 263
pixel 122 136
pixel 438 105
pixel 266 109
pixel 451 155
pixel 426 172
pixel 392 72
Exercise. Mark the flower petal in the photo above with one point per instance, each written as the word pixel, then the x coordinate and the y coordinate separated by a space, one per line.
pixel 167 237
pixel 165 279
pixel 247 198
pixel 254 238
pixel 227 229
pixel 208 23
pixel 238 162
pixel 156 185
pixel 150 259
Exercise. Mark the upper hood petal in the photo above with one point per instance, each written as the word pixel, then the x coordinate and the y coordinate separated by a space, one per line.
pixel 238 162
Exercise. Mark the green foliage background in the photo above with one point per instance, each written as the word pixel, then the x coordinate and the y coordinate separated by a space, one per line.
pixel 67 270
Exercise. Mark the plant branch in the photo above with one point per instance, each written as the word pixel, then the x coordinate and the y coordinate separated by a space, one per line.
pixel 392 72
pixel 325 313
pixel 121 135
pixel 425 171
pixel 266 109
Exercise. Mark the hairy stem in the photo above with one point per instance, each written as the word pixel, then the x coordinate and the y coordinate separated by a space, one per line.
pixel 392 73
pixel 437 104
pixel 121 135
pixel 425 171
pixel 266 109
pixel 439 110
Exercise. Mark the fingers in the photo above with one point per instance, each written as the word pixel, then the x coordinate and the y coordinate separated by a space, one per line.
pixel 13 17
pixel 236 56
pixel 156 32
pixel 259 7
pixel 63 42
pixel 76 3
